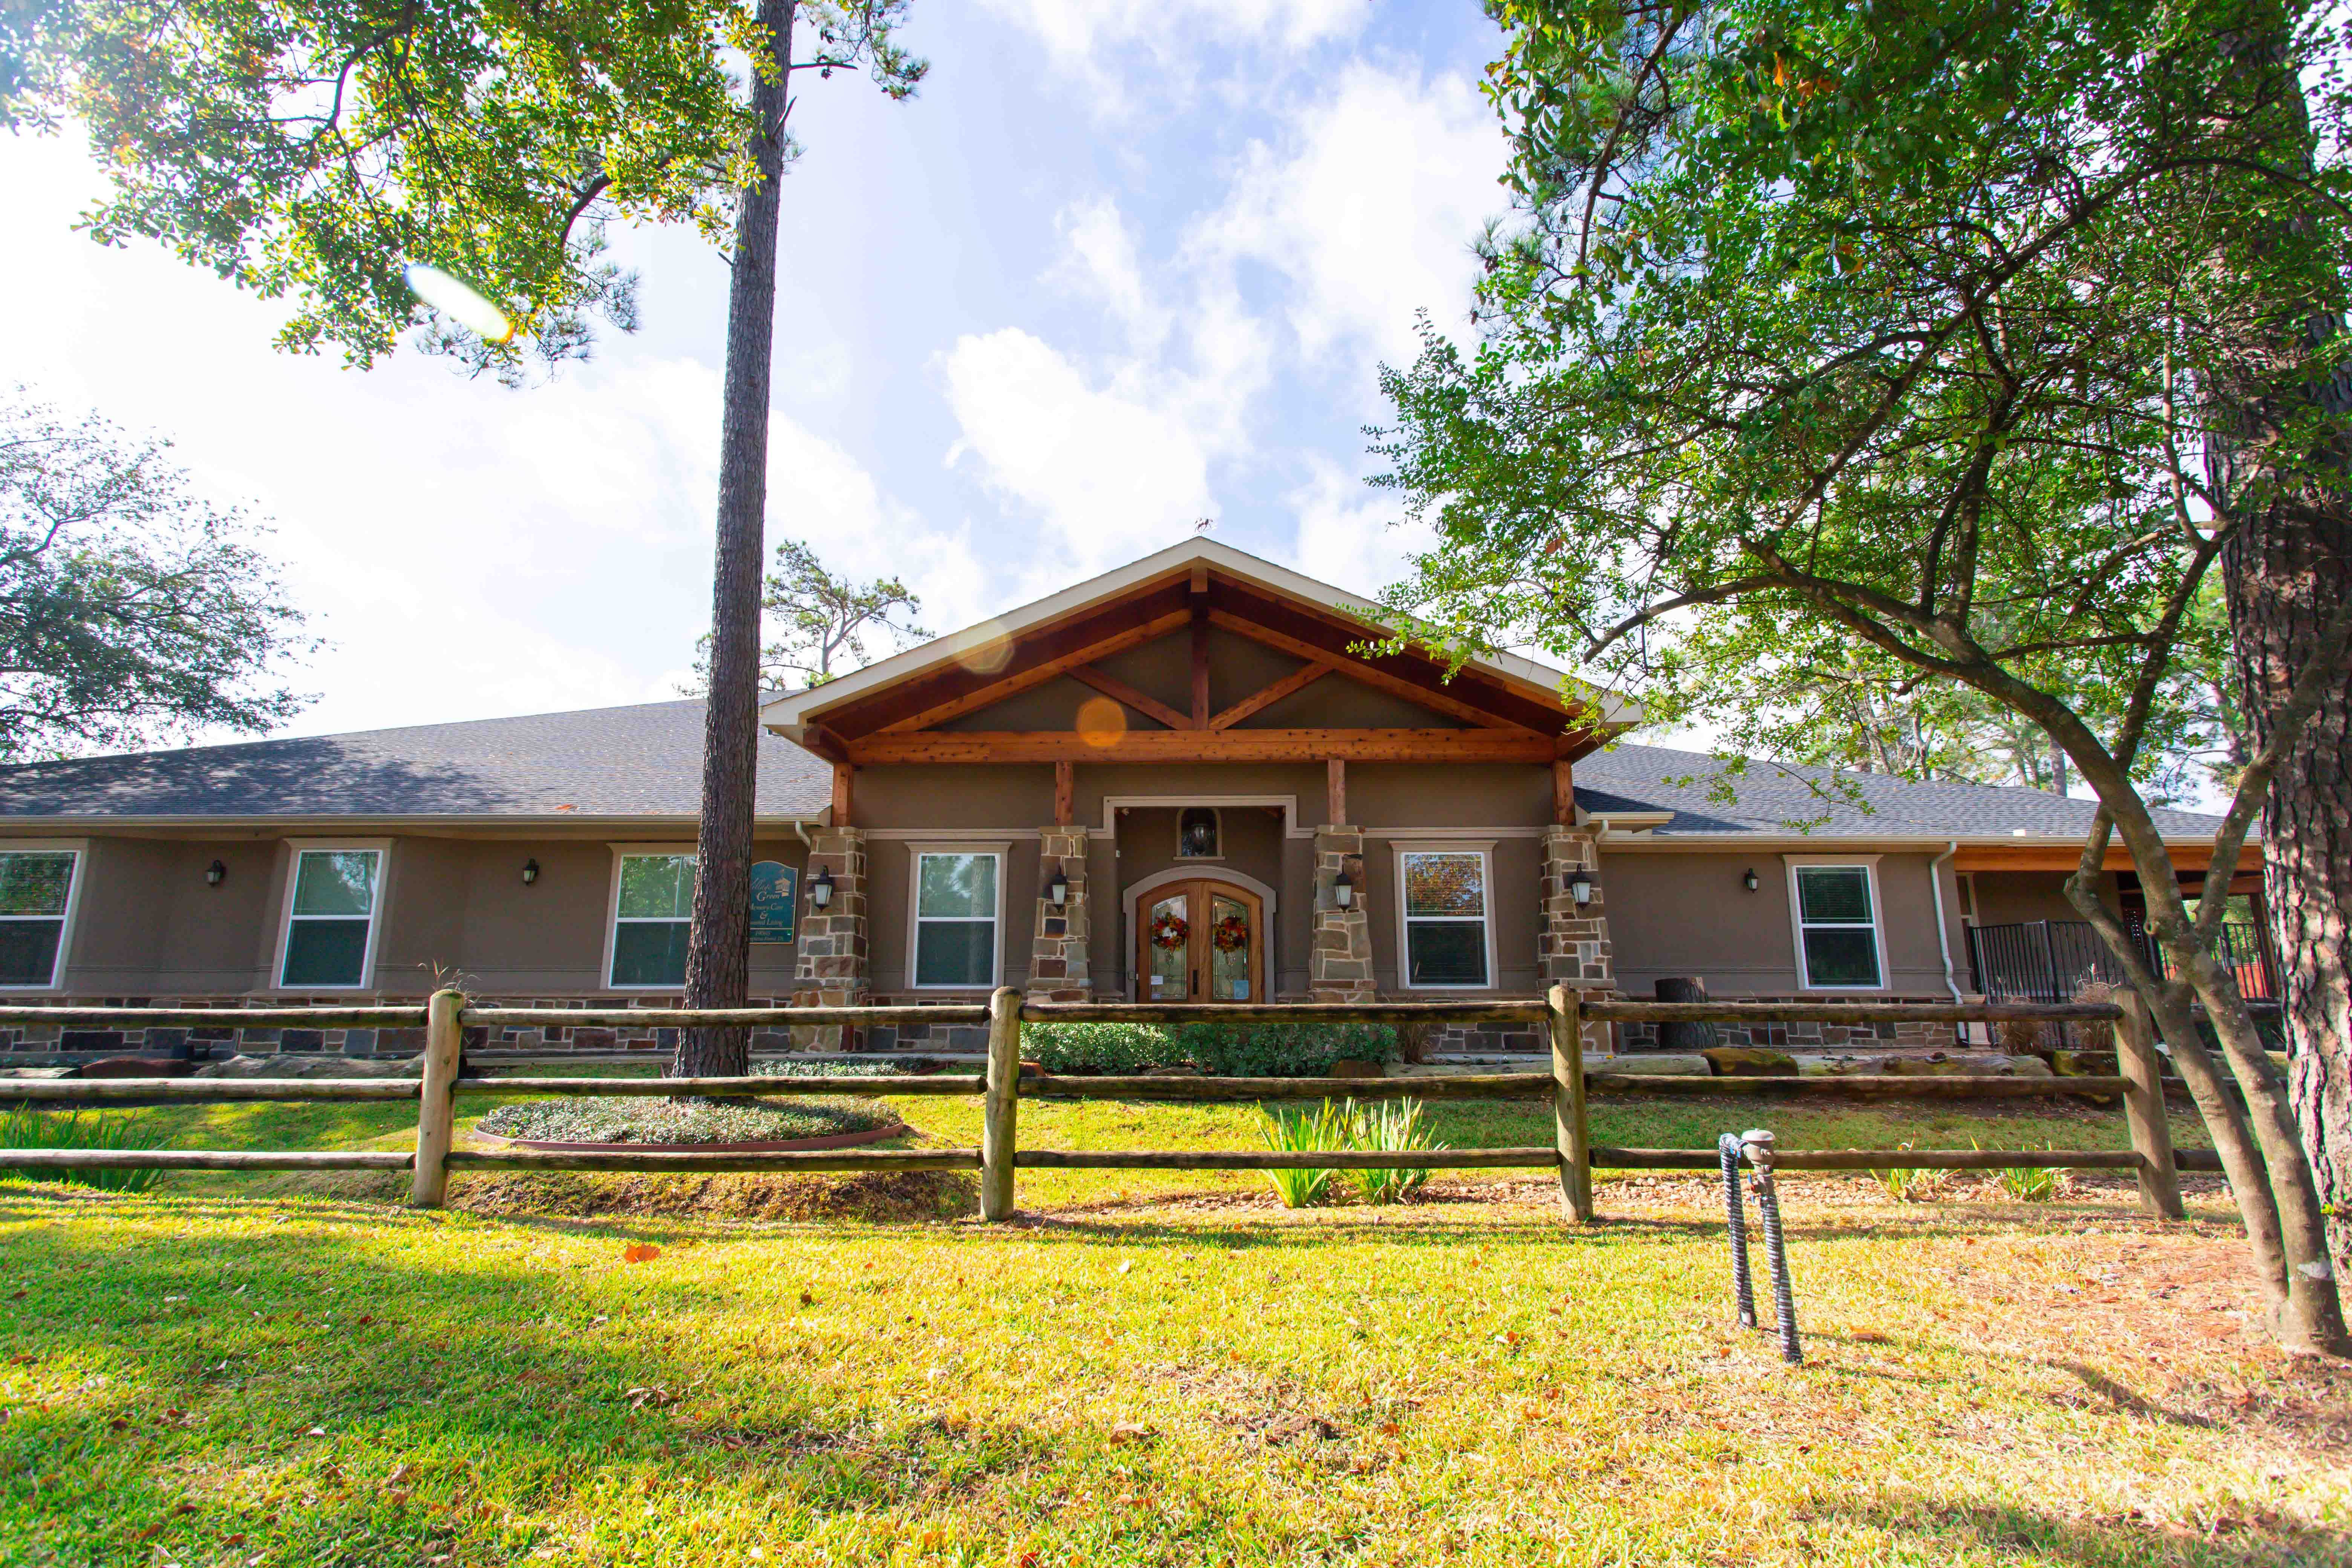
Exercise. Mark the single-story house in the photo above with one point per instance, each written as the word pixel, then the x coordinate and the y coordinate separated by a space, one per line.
pixel 1179 781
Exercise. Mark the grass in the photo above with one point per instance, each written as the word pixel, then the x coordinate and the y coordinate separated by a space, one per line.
pixel 1152 1371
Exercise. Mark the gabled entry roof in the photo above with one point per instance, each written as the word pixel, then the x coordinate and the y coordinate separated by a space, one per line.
pixel 1505 708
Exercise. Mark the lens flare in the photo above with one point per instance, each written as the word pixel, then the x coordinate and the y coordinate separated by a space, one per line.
pixel 1101 722
pixel 460 301
pixel 991 653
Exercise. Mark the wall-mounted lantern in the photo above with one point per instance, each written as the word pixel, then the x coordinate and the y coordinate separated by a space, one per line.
pixel 1748 882
pixel 1580 886
pixel 1343 890
pixel 1058 889
pixel 821 890
pixel 530 872
pixel 215 874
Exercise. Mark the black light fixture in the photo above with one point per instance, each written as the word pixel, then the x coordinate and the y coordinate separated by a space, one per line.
pixel 216 873
pixel 1579 885
pixel 1343 890
pixel 530 872
pixel 821 890
pixel 1058 889
pixel 1749 880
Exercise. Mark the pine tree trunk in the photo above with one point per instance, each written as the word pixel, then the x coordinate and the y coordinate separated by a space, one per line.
pixel 719 948
pixel 2289 568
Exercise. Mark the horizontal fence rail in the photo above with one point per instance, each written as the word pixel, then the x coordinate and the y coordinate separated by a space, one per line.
pixel 1571 1154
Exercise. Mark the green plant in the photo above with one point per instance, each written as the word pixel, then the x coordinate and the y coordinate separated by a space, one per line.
pixel 1396 1124
pixel 2026 1184
pixel 1905 1184
pixel 1282 1050
pixel 1302 1132
pixel 1099 1047
pixel 27 1128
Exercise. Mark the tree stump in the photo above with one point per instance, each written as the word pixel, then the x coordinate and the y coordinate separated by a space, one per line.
pixel 1686 1037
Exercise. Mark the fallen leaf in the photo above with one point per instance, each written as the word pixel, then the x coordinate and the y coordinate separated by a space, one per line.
pixel 151 1532
pixel 363 1319
pixel 236 1540
pixel 1129 1432
pixel 19 1295
pixel 399 1474
pixel 808 1299
pixel 643 1252
pixel 316 1432
pixel 1126 1265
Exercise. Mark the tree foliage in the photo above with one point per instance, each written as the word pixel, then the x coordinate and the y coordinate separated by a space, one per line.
pixel 311 148
pixel 817 620
pixel 1845 348
pixel 131 610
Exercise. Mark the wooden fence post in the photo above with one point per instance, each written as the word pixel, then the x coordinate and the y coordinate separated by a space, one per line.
pixel 437 1106
pixel 2151 1132
pixel 1001 1108
pixel 1570 1136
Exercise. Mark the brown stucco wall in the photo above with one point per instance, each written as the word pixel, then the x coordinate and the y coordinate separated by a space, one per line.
pixel 2004 897
pixel 1686 913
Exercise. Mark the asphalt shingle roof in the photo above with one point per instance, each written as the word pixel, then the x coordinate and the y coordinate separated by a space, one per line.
pixel 1768 798
pixel 646 761
pixel 643 760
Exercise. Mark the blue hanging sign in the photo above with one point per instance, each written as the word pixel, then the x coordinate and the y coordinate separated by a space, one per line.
pixel 773 885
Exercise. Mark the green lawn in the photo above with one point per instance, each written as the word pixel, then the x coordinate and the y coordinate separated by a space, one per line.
pixel 1155 1369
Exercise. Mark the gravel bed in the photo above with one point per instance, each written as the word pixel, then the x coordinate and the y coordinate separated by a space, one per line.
pixel 664 1122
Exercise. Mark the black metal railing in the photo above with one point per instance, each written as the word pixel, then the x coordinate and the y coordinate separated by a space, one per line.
pixel 2052 960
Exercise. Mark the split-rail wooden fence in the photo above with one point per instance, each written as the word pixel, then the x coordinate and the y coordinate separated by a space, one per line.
pixel 1571 1153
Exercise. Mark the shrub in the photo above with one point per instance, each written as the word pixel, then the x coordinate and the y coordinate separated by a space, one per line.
pixel 1282 1050
pixel 25 1128
pixel 1906 1184
pixel 1388 1124
pixel 1099 1047
pixel 2026 1184
pixel 820 1067
pixel 1303 1132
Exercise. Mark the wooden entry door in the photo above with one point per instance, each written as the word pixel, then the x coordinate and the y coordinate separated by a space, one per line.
pixel 1200 941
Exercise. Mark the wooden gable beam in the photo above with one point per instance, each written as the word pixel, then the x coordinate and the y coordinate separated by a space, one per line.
pixel 1164 746
pixel 1267 696
pixel 1118 690
pixel 1369 675
pixel 1037 675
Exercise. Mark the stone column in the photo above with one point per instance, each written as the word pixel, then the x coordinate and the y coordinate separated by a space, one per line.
pixel 1339 964
pixel 832 969
pixel 1574 946
pixel 1057 963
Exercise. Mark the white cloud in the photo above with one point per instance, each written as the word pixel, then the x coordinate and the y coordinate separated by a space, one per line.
pixel 1113 477
pixel 1367 207
pixel 1078 34
pixel 1350 536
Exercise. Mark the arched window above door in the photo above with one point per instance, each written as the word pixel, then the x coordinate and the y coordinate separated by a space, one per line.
pixel 1198 834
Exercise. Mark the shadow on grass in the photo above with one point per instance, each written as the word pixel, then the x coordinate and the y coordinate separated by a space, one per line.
pixel 1942 1530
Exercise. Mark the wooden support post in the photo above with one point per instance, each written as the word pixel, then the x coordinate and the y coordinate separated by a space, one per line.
pixel 1564 792
pixel 1335 785
pixel 2151 1135
pixel 1201 671
pixel 437 1106
pixel 1002 1105
pixel 1065 792
pixel 843 814
pixel 1571 1138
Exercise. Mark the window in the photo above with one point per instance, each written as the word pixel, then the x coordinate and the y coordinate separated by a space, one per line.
pixel 955 919
pixel 652 909
pixel 1197 835
pixel 1445 914
pixel 330 919
pixel 1837 927
pixel 36 888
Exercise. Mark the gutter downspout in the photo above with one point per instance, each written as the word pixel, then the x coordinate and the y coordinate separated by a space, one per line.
pixel 1943 932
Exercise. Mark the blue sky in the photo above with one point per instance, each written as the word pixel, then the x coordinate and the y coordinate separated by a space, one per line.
pixel 1122 265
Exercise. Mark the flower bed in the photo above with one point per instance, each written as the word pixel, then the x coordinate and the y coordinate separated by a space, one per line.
pixel 772 1123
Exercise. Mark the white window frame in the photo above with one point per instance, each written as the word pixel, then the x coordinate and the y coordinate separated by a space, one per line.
pixel 1868 866
pixel 296 848
pixel 1001 852
pixel 622 852
pixel 1484 850
pixel 80 849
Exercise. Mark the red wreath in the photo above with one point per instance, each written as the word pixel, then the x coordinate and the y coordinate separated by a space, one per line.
pixel 1232 933
pixel 1170 932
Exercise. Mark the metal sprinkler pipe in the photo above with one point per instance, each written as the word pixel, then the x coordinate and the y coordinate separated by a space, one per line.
pixel 1735 1225
pixel 1759 1145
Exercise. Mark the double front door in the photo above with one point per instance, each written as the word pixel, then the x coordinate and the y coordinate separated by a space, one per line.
pixel 1200 941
